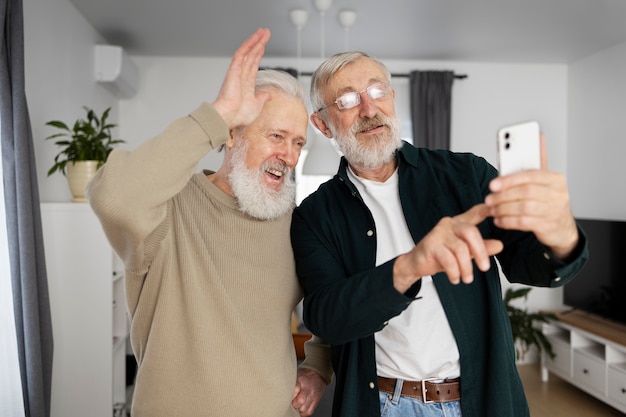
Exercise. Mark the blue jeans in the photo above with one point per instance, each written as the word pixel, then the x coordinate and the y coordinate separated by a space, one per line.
pixel 397 405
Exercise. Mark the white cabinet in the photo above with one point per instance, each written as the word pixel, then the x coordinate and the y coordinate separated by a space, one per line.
pixel 617 384
pixel 88 307
pixel 590 353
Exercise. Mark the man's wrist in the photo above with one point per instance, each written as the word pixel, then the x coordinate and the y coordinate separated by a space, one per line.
pixel 403 276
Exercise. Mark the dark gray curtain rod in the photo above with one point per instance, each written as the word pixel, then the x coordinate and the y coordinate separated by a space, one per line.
pixel 457 76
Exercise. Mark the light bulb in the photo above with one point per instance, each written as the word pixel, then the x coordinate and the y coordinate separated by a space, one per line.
pixel 346 18
pixel 322 5
pixel 298 17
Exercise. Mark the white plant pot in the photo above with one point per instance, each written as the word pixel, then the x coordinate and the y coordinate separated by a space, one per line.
pixel 531 355
pixel 78 175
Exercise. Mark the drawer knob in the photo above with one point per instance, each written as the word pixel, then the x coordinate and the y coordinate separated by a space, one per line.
pixel 623 390
pixel 585 371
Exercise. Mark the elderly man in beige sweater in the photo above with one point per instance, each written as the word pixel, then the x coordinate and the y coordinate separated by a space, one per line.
pixel 210 276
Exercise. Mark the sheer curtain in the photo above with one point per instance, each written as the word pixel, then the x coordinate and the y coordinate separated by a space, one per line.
pixel 31 307
pixel 431 100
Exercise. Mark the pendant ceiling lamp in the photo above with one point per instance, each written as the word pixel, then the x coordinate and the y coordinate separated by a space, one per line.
pixel 299 17
pixel 322 157
pixel 346 20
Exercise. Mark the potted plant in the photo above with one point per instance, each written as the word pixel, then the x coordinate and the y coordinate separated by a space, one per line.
pixel 525 333
pixel 84 148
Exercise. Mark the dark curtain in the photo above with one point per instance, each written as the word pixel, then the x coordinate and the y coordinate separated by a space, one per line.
pixel 431 98
pixel 28 274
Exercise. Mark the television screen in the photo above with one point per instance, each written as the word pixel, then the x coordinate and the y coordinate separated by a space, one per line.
pixel 600 287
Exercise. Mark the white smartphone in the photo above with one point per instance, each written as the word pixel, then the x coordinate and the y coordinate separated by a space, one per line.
pixel 519 147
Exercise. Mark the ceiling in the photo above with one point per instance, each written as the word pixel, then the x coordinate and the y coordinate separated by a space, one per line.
pixel 538 31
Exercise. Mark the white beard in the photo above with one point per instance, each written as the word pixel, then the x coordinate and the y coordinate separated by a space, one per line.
pixel 380 149
pixel 254 197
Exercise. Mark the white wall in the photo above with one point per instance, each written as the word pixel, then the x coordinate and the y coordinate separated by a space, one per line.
pixel 59 69
pixel 597 135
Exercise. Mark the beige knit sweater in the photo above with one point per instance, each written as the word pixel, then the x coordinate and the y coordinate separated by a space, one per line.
pixel 210 290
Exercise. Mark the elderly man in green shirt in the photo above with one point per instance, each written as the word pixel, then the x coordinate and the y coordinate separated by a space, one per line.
pixel 397 258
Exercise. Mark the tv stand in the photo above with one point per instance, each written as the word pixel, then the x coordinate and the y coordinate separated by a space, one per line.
pixel 590 354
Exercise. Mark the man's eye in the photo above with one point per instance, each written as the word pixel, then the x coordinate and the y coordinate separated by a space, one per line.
pixel 377 93
pixel 348 100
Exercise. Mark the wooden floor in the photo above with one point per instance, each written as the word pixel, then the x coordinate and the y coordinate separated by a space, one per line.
pixel 557 398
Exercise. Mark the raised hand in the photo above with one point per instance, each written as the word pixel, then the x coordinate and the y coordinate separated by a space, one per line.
pixel 236 102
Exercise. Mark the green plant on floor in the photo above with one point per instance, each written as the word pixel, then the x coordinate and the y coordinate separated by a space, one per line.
pixel 88 140
pixel 523 325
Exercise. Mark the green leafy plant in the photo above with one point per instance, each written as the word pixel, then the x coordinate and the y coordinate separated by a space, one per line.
pixel 88 140
pixel 523 324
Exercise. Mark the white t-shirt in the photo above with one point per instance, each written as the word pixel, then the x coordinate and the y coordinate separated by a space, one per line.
pixel 418 343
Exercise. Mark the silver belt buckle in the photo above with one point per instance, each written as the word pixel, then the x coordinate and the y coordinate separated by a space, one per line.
pixel 425 391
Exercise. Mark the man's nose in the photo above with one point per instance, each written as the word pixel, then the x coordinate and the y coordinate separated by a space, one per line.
pixel 367 107
pixel 289 153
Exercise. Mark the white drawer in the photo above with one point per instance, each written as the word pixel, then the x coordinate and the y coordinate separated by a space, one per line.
pixel 617 385
pixel 590 372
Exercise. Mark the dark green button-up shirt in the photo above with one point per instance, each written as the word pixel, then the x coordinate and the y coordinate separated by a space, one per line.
pixel 348 298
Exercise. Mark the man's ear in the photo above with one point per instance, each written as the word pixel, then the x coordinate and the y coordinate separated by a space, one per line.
pixel 320 124
pixel 231 138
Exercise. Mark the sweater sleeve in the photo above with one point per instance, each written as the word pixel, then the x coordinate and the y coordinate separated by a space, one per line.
pixel 317 358
pixel 130 193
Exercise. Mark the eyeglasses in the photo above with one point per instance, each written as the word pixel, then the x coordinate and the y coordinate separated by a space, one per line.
pixel 377 91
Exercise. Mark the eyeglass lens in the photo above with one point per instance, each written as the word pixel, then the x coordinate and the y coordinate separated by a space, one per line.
pixel 352 99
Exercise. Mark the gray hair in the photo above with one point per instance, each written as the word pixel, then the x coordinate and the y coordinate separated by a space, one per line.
pixel 330 67
pixel 269 79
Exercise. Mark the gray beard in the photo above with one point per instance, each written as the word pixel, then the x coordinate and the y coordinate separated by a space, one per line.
pixel 380 149
pixel 253 197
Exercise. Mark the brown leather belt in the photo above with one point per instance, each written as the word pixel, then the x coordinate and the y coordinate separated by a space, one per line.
pixel 429 391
